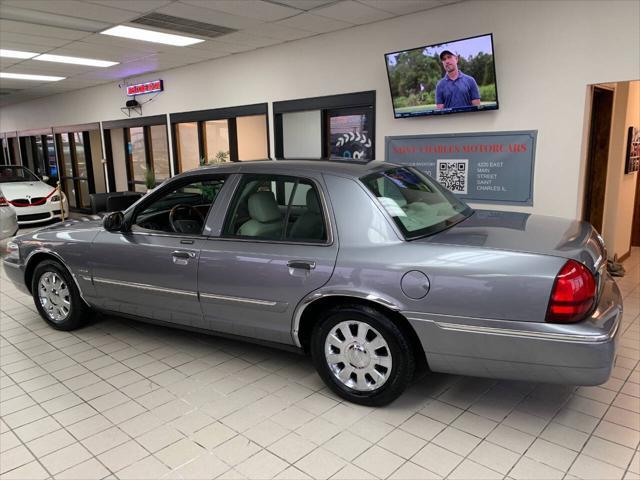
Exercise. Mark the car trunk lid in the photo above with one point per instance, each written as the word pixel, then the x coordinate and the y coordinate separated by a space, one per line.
pixel 527 233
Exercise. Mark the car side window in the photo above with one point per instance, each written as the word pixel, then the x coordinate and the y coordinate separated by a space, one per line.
pixel 180 210
pixel 276 207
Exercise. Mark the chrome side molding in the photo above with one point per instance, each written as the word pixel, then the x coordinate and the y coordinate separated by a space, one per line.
pixel 144 286
pixel 252 301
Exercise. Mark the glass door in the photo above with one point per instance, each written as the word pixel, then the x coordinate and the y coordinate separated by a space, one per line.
pixel 51 159
pixel 82 170
pixel 187 145
pixel 202 143
pixel 137 159
pixel 216 141
pixel 66 167
pixel 75 165
pixel 159 152
pixel 147 153
pixel 207 137
pixel 38 156
pixel 252 137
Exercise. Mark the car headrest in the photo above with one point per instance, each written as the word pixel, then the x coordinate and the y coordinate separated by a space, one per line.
pixel 263 207
pixel 312 201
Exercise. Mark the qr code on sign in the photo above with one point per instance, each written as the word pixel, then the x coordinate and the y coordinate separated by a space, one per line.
pixel 453 175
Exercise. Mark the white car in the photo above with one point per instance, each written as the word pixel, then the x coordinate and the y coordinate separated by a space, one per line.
pixel 33 200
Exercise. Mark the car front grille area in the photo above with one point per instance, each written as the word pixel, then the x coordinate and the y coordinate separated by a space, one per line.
pixel 26 202
pixel 36 216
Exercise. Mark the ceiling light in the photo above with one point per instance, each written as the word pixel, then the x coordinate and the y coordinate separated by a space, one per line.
pixel 151 36
pixel 24 76
pixel 75 60
pixel 16 54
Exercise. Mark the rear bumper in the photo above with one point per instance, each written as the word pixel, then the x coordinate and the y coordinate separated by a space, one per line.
pixel 578 354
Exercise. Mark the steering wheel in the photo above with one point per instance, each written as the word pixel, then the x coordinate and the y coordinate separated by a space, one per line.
pixel 181 219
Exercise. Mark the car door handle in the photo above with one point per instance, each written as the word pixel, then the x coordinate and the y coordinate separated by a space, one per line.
pixel 180 257
pixel 183 254
pixel 301 264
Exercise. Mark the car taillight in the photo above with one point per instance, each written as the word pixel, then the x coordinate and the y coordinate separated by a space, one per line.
pixel 3 202
pixel 573 294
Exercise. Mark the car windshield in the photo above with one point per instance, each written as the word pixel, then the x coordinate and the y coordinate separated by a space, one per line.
pixel 417 203
pixel 16 174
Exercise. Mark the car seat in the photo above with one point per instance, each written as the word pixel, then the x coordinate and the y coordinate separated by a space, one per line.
pixel 309 225
pixel 266 219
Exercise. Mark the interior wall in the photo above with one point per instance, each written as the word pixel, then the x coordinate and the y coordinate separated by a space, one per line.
pixel 620 194
pixel 546 55
pixel 119 160
pixel 96 161
pixel 302 134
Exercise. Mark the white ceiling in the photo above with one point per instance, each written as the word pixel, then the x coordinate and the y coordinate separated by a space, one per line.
pixel 70 27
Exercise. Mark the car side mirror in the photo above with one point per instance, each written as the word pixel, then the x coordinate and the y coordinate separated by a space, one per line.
pixel 114 222
pixel 45 178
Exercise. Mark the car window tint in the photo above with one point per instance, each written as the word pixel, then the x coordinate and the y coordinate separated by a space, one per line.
pixel 181 210
pixel 280 208
pixel 417 204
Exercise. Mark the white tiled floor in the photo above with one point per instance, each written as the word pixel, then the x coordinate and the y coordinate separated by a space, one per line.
pixel 120 399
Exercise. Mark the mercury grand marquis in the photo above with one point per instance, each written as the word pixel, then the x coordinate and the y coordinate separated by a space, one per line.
pixel 373 269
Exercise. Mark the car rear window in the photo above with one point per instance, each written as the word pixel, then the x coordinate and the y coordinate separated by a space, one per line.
pixel 418 204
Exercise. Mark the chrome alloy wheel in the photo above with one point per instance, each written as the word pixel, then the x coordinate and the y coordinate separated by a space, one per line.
pixel 358 355
pixel 54 296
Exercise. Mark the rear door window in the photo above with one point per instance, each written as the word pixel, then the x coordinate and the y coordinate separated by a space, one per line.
pixel 278 208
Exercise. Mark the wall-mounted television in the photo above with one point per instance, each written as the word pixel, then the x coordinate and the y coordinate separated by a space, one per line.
pixel 451 77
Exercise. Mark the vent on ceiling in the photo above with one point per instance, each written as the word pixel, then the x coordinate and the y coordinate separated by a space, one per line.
pixel 183 25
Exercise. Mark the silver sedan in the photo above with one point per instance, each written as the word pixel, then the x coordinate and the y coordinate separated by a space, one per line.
pixel 373 269
pixel 8 221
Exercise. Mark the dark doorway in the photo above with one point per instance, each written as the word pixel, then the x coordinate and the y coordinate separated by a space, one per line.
pixel 598 156
pixel 4 158
pixel 13 151
pixel 40 154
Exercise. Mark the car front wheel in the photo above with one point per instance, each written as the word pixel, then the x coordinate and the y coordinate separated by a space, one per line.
pixel 362 355
pixel 56 296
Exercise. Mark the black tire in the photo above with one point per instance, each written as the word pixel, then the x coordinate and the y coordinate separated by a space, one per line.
pixel 396 345
pixel 67 311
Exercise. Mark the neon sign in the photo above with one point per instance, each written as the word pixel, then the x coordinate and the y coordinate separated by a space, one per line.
pixel 147 87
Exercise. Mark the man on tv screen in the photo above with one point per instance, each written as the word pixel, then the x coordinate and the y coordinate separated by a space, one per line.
pixel 455 89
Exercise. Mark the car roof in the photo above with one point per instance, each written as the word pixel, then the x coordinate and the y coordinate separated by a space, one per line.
pixel 354 169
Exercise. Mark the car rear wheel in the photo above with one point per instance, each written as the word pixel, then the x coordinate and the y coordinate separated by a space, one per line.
pixel 56 296
pixel 362 355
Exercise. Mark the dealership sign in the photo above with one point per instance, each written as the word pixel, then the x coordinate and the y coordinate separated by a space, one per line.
pixel 489 167
pixel 142 88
